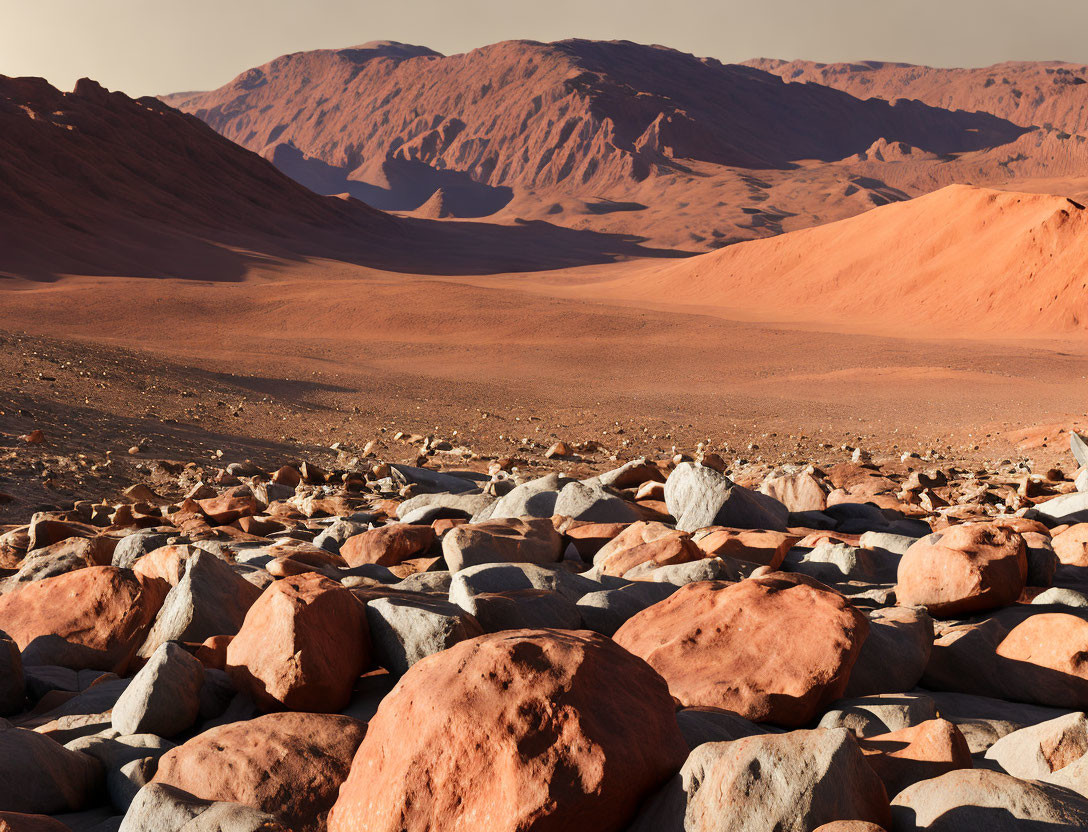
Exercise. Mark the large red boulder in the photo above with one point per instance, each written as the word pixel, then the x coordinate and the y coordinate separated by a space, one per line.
pixel 527 730
pixel 93 618
pixel 642 542
pixel 302 645
pixel 963 569
pixel 287 764
pixel 387 545
pixel 773 649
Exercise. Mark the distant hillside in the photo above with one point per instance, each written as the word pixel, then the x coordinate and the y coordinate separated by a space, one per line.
pixel 1031 93
pixel 393 124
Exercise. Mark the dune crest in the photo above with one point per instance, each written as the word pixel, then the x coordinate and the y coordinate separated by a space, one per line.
pixel 963 261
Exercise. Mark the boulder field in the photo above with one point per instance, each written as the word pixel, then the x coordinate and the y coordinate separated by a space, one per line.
pixel 674 645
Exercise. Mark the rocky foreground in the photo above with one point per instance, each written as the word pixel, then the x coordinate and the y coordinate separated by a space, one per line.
pixel 671 645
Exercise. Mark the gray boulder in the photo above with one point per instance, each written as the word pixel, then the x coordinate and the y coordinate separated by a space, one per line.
pixel 707 569
pixel 333 535
pixel 1062 510
pixel 894 655
pixel 606 610
pixel 594 503
pixel 40 776
pixel 832 563
pixel 211 599
pixel 164 697
pixel 521 609
pixel 870 716
pixel 501 577
pixel 403 631
pixel 158 807
pixel 970 799
pixel 132 547
pixel 983 720
pixel 1060 596
pixel 425 478
pixel 1038 751
pixel 12 683
pixel 702 725
pixel 535 498
pixel 698 496
pixel 425 508
pixel 792 782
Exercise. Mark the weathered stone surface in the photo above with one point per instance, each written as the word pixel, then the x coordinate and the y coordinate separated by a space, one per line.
pixel 514 731
pixel 1071 545
pixel 761 548
pixel 832 563
pixel 210 599
pixel 775 649
pixel 524 609
pixel 645 543
pixel 286 764
pixel 700 725
pixel 870 716
pixel 164 697
pixel 894 656
pixel 1025 654
pixel 387 545
pixel 698 496
pixel 535 498
pixel 593 502
pixel 38 775
pixel 1038 751
pixel 792 782
pixel 963 569
pixel 905 757
pixel 502 541
pixel 158 807
pixel 503 577
pixel 403 631
pixel 92 618
pixel 12 682
pixel 60 558
pixel 302 646
pixel 797 492
pixel 986 800
pixel 605 611
pixel 1067 509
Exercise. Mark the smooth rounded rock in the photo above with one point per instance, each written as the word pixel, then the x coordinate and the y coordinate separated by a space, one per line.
pixel 775 649
pixel 531 730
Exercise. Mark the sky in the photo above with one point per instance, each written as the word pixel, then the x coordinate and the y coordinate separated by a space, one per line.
pixel 149 47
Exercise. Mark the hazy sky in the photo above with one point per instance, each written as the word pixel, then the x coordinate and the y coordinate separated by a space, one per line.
pixel 156 46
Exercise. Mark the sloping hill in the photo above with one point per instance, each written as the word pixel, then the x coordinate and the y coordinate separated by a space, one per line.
pixel 1030 93
pixel 962 261
pixel 391 124
pixel 94 182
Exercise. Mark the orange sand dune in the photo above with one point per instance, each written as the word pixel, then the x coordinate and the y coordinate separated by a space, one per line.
pixel 963 261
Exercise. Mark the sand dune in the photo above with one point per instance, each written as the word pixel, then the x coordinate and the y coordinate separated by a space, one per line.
pixel 962 261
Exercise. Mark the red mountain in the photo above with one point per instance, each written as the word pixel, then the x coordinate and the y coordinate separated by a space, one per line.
pixel 616 135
